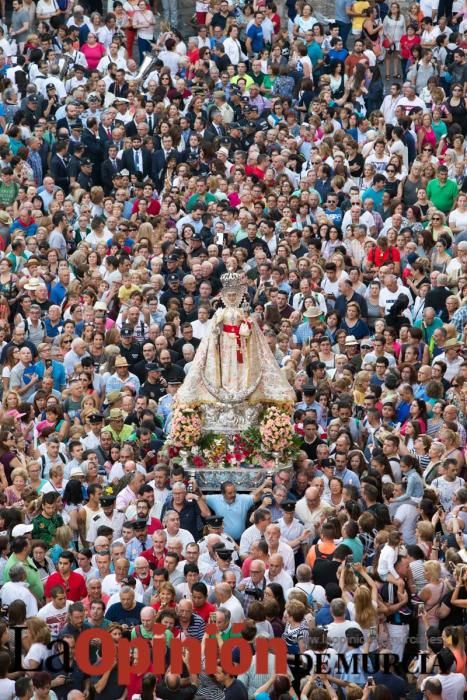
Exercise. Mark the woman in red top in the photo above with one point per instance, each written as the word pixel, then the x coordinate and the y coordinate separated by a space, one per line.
pixel 407 42
pixel 167 597
pixel 425 134
pixel 382 254
pixel 93 51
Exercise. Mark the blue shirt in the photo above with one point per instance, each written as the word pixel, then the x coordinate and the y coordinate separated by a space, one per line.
pixel 58 373
pixel 58 293
pixel 376 196
pixel 340 14
pixel 234 514
pixel 257 39
pixel 348 478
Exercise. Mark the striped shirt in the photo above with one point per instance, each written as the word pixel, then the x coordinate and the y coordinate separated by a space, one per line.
pixel 194 629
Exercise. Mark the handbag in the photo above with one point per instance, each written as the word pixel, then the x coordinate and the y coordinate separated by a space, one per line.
pixel 386 43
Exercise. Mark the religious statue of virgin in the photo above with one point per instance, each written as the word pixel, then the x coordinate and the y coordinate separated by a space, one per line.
pixel 233 363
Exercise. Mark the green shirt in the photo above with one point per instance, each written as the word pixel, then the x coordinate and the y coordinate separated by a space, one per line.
pixel 429 330
pixel 44 528
pixel 8 193
pixel 206 198
pixel 149 635
pixel 440 129
pixel 32 575
pixel 442 196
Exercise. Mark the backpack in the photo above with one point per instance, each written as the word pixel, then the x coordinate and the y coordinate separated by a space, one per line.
pixel 43 462
pixel 322 555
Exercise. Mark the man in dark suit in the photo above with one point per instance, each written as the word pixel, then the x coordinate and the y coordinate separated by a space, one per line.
pixel 151 119
pixel 136 159
pixel 216 128
pixel 109 167
pixel 159 161
pixel 120 87
pixel 59 167
pixel 94 148
pixel 71 111
pixel 105 129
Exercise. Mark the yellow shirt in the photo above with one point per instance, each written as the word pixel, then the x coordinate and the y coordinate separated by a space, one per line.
pixel 124 293
pixel 357 22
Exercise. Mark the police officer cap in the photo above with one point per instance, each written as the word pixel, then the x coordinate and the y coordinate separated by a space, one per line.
pixel 288 506
pixel 224 554
pixel 153 367
pixel 139 524
pixel 215 521
pixel 107 500
pixel 96 418
pixel 127 332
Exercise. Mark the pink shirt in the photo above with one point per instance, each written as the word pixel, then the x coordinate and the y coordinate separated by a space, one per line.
pixel 93 54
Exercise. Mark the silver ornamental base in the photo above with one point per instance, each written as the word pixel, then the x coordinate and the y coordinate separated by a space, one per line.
pixel 244 478
pixel 229 419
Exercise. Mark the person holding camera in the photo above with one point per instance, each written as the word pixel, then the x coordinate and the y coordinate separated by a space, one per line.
pixel 253 586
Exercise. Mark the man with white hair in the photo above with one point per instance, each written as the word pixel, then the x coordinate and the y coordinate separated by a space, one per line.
pixel 253 585
pixel 206 545
pixel 226 599
pixel 172 529
pixel 276 573
pixel 113 583
pixel 145 629
pixel 17 588
pixel 190 507
pixel 74 356
pixel 276 546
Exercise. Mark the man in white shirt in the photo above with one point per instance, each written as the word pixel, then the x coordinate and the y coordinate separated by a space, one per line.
pixel 113 583
pixel 276 546
pixel 277 574
pixel 261 520
pixel 410 99
pixel 202 325
pixel 17 588
pixel 309 510
pixel 390 103
pixel 55 613
pixel 339 625
pixel 452 358
pixel 173 530
pixel 452 683
pixel 448 485
pixel 228 601
pixel 390 293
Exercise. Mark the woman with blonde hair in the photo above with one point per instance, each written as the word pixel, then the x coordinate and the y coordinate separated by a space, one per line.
pixel 296 631
pixel 38 637
pixel 424 532
pixel 62 540
pixel 433 593
pixel 14 493
pixel 34 479
pixel 166 597
pixel 11 399
pixel 451 442
pixel 365 612
pixel 437 224
pixel 56 482
pixel 360 386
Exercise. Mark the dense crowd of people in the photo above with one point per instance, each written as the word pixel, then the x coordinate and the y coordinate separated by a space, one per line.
pixel 323 161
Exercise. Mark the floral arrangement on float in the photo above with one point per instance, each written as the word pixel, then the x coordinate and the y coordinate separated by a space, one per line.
pixel 270 442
